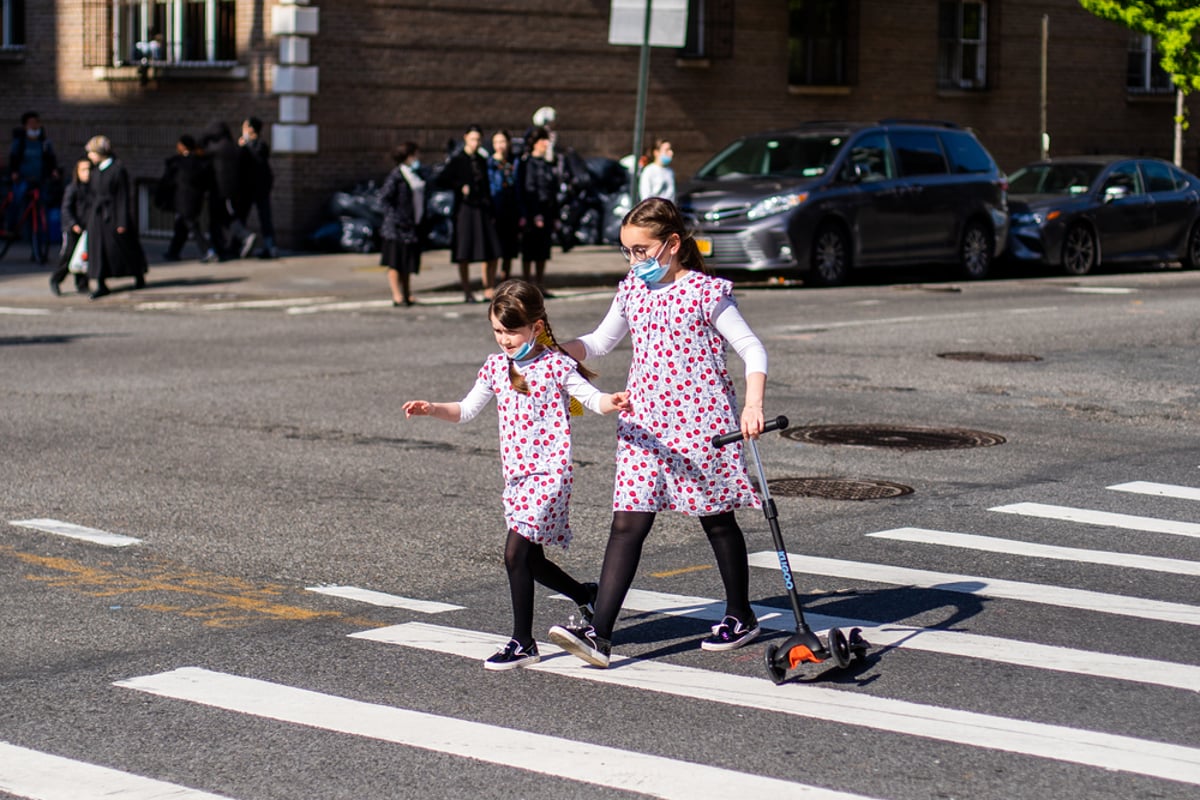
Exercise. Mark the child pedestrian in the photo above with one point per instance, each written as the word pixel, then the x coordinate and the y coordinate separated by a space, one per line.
pixel 657 178
pixel 679 319
pixel 74 219
pixel 532 380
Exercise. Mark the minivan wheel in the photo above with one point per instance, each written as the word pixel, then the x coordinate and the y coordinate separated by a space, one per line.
pixel 1191 256
pixel 975 255
pixel 1079 250
pixel 830 256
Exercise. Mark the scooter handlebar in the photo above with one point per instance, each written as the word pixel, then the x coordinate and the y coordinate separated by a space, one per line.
pixel 722 439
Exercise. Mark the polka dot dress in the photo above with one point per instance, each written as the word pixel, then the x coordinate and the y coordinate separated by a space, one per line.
pixel 681 395
pixel 535 445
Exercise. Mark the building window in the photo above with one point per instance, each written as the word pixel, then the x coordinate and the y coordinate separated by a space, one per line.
pixel 821 42
pixel 709 29
pixel 962 45
pixel 160 33
pixel 12 24
pixel 1144 74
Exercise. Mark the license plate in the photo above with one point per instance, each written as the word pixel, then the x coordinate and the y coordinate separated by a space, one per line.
pixel 705 244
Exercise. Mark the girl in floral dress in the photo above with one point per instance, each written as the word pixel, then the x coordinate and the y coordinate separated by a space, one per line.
pixel 533 381
pixel 679 319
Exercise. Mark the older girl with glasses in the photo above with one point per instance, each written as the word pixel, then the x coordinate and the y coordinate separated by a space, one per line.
pixel 679 319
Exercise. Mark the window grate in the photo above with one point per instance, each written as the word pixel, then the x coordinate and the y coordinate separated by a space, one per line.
pixel 186 33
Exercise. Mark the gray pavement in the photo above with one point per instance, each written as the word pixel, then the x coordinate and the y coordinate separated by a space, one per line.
pixel 345 276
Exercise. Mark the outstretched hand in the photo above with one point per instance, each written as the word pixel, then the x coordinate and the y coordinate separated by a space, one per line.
pixel 418 408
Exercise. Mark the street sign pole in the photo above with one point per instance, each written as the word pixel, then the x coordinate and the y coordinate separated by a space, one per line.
pixel 639 122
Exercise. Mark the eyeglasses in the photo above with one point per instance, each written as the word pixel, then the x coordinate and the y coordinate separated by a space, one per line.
pixel 639 252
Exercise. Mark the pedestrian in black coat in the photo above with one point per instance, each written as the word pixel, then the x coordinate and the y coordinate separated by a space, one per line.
pixel 475 238
pixel 74 222
pixel 403 201
pixel 113 247
pixel 226 229
pixel 538 207
pixel 256 160
pixel 186 180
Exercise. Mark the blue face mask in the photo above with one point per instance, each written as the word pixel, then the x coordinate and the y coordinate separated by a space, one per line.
pixel 523 351
pixel 650 270
pixel 665 160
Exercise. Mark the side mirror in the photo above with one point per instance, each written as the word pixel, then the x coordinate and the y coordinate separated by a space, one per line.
pixel 1115 193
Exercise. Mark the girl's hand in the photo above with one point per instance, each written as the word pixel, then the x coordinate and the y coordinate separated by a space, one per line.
pixel 620 401
pixel 418 408
pixel 752 421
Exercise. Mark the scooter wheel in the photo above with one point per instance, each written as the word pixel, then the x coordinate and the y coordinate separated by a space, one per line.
pixel 858 645
pixel 778 674
pixel 839 648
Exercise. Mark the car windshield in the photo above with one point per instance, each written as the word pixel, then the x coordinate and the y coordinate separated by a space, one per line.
pixel 773 156
pixel 1069 179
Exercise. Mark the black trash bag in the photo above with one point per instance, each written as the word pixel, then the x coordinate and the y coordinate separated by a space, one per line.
pixel 357 236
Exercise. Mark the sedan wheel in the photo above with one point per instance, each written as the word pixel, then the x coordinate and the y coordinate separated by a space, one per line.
pixel 975 257
pixel 1079 250
pixel 830 257
pixel 1191 257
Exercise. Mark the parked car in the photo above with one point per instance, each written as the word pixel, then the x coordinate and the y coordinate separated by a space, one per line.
pixel 1079 212
pixel 828 197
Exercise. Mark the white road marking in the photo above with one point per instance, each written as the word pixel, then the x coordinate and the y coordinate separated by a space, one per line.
pixel 1011 547
pixel 933 640
pixel 1105 518
pixel 1158 489
pixel 1100 290
pixel 546 755
pixel 1123 605
pixel 278 302
pixel 350 305
pixel 41 776
pixel 24 312
pixel 862 323
pixel 73 531
pixel 1056 742
pixel 383 599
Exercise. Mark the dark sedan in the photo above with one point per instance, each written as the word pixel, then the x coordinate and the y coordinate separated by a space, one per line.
pixel 1079 212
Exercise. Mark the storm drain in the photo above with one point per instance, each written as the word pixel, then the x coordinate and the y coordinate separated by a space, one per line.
pixel 994 358
pixel 837 488
pixel 899 437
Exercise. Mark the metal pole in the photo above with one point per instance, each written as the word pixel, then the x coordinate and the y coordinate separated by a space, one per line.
pixel 1044 124
pixel 1179 128
pixel 640 118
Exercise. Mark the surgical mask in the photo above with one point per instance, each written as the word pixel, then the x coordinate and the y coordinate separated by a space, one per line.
pixel 33 133
pixel 650 270
pixel 666 160
pixel 523 351
pixel 414 164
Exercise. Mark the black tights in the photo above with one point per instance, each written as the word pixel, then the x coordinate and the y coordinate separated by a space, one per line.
pixel 624 551
pixel 526 563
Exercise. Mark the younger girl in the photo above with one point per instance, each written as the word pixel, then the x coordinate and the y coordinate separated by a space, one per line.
pixel 74 218
pixel 533 381
pixel 679 319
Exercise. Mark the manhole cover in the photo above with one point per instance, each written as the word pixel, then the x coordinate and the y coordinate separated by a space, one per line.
pixel 837 488
pixel 995 358
pixel 894 436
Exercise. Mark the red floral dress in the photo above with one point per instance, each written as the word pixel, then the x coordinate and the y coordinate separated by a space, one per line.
pixel 535 440
pixel 682 396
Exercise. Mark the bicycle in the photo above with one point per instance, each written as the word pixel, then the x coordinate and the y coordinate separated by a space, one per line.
pixel 32 217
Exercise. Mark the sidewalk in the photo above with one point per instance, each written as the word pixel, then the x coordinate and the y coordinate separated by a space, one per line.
pixel 342 276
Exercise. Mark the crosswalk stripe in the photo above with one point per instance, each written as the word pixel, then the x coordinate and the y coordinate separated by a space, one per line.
pixel 1105 518
pixel 1158 489
pixel 955 643
pixel 1011 547
pixel 548 755
pixel 1056 742
pixel 24 312
pixel 73 531
pixel 384 599
pixel 41 776
pixel 1064 597
pixel 349 305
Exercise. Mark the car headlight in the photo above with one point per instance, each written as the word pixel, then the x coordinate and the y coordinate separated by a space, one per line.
pixel 1028 219
pixel 776 204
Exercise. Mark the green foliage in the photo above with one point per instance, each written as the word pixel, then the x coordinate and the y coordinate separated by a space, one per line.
pixel 1175 26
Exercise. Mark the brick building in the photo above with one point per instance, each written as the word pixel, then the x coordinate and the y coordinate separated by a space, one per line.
pixel 340 82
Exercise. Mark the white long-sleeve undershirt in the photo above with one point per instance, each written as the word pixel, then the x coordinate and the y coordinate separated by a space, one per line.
pixel 726 319
pixel 481 393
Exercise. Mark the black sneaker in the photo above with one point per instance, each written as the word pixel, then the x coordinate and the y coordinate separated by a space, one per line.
pixel 730 634
pixel 587 610
pixel 583 643
pixel 513 656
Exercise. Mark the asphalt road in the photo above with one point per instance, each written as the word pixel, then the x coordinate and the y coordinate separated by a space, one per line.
pixel 1036 628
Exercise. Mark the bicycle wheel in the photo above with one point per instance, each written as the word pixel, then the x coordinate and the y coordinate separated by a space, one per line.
pixel 39 239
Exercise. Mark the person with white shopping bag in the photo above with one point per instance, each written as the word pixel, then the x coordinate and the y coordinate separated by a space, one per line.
pixel 73 256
